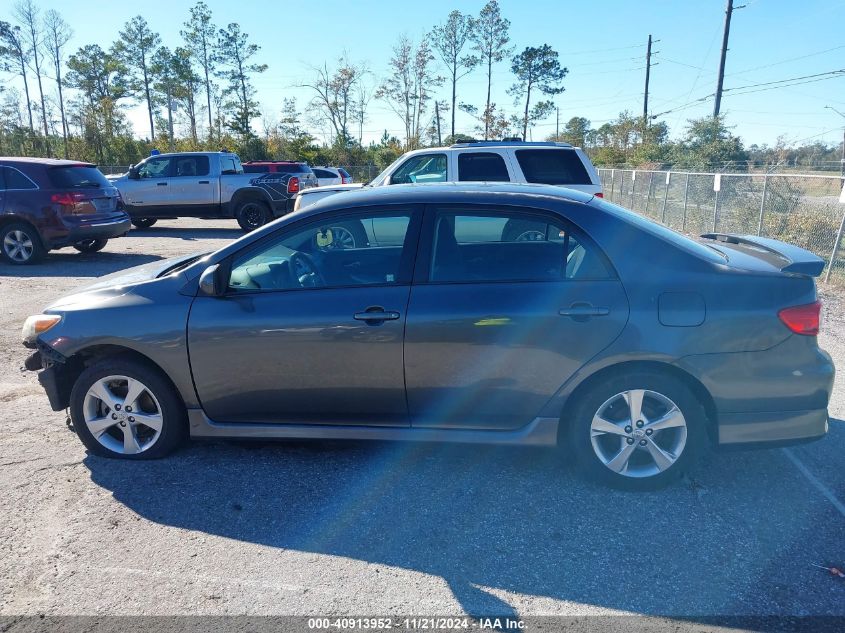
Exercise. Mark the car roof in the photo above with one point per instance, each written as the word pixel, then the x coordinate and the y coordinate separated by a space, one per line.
pixel 520 144
pixel 50 162
pixel 448 192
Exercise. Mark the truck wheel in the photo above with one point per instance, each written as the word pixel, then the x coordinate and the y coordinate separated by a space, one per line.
pixel 20 244
pixel 143 223
pixel 252 214
pixel 90 246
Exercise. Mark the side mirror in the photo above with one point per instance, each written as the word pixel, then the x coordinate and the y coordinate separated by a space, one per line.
pixel 211 282
pixel 133 173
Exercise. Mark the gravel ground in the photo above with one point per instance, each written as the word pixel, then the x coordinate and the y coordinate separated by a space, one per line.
pixel 370 528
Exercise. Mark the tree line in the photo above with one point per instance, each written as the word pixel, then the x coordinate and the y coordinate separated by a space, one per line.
pixel 200 95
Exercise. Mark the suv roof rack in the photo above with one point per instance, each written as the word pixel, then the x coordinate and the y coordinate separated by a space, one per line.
pixel 510 141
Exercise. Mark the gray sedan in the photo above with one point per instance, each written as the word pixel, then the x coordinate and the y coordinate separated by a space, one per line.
pixel 493 313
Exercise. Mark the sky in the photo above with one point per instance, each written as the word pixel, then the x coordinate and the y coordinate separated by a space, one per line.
pixel 601 42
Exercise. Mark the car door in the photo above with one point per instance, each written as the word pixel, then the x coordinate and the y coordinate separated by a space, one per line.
pixel 191 186
pixel 506 305
pixel 150 193
pixel 310 330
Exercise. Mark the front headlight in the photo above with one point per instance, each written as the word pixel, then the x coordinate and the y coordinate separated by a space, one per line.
pixel 37 324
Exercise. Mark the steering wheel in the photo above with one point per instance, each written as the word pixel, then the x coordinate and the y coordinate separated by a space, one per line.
pixel 304 270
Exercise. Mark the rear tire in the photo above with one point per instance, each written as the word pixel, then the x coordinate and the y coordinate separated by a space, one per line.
pixel 20 244
pixel 152 425
pixel 90 246
pixel 143 223
pixel 636 454
pixel 252 214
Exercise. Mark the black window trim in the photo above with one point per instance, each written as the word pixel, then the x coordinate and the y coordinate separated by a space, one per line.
pixel 584 166
pixel 34 184
pixel 406 263
pixel 422 266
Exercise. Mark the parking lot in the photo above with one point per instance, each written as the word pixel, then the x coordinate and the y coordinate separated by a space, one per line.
pixel 369 528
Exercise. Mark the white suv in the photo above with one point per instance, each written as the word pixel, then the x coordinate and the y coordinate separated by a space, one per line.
pixel 485 161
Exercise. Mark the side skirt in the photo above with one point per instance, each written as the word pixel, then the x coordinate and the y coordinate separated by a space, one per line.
pixel 539 432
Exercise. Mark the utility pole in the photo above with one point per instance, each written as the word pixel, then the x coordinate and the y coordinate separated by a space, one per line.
pixel 721 80
pixel 647 76
pixel 557 124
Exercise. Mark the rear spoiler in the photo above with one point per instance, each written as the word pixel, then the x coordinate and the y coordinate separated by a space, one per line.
pixel 799 260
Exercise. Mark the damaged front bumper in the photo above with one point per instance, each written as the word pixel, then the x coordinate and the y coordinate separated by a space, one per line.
pixel 52 374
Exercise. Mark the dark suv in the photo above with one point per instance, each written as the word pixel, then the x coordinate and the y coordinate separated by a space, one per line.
pixel 47 204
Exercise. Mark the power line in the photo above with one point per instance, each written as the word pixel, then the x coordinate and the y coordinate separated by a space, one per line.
pixel 840 71
pixel 786 61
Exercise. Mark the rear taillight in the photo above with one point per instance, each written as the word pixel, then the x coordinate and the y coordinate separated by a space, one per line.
pixel 344 180
pixel 69 202
pixel 803 319
pixel 599 195
pixel 293 185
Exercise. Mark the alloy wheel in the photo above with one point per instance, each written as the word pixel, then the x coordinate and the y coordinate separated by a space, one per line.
pixel 638 433
pixel 18 246
pixel 123 414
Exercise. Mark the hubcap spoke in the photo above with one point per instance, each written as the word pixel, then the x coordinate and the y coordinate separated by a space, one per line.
pixel 673 418
pixel 154 421
pixel 101 390
pixel 130 440
pixel 618 463
pixel 133 391
pixel 99 426
pixel 634 399
pixel 601 426
pixel 661 458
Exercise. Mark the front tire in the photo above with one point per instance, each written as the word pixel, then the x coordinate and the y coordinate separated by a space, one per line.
pixel 637 431
pixel 20 244
pixel 127 409
pixel 252 214
pixel 90 246
pixel 143 223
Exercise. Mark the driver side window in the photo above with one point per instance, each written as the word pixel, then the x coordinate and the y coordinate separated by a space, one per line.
pixel 154 168
pixel 421 169
pixel 355 249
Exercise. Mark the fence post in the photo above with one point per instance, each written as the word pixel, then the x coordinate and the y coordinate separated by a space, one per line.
pixel 648 195
pixel 836 242
pixel 717 186
pixel 633 186
pixel 665 196
pixel 612 183
pixel 686 196
pixel 763 204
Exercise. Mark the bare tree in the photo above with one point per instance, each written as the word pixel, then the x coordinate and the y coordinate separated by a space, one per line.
pixel 335 95
pixel 449 41
pixel 15 57
pixel 397 89
pixel 28 15
pixel 363 96
pixel 490 36
pixel 424 81
pixel 57 34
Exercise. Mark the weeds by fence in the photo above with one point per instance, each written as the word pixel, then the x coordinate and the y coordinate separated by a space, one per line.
pixel 798 208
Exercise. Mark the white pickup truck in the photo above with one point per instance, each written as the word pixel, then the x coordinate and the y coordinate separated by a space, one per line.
pixel 204 185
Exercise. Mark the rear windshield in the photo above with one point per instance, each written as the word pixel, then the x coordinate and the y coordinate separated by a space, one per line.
pixel 343 172
pixel 553 167
pixel 76 177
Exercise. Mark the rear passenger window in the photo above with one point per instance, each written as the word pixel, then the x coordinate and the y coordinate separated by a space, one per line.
pixel 16 180
pixel 552 167
pixel 482 166
pixel 510 246
pixel 187 166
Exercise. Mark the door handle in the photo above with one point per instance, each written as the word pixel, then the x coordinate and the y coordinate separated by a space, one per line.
pixel 161 184
pixel 583 311
pixel 204 182
pixel 372 316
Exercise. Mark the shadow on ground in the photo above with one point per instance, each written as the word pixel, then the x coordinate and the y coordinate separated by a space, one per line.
pixel 190 233
pixel 736 539
pixel 69 263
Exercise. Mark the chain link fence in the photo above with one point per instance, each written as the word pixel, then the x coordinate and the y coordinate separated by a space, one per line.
pixel 802 209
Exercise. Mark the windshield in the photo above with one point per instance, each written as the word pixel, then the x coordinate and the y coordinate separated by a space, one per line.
pixel 77 177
